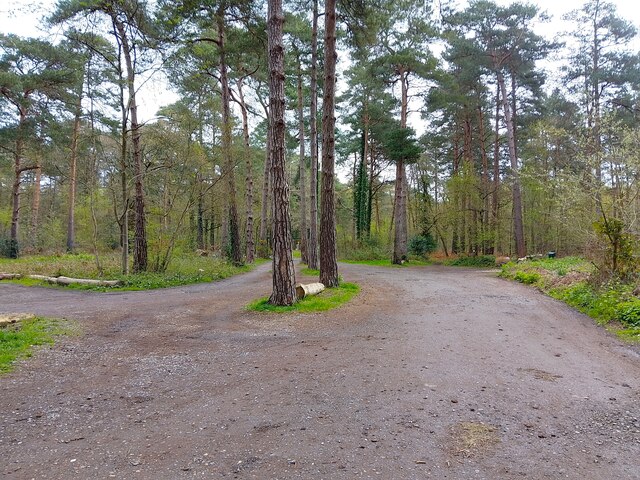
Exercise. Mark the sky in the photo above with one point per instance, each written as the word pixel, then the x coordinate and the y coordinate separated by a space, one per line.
pixel 21 17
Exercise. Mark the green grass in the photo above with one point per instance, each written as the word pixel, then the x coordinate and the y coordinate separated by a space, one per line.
pixel 183 270
pixel 17 340
pixel 326 300
pixel 310 272
pixel 630 334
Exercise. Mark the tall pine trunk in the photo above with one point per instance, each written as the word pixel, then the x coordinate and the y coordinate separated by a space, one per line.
pixel 518 226
pixel 312 247
pixel 250 249
pixel 140 234
pixel 400 211
pixel 73 167
pixel 303 188
pixel 328 254
pixel 235 253
pixel 284 291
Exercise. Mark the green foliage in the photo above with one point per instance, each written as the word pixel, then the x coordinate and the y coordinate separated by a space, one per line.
pixel 600 303
pixel 17 340
pixel 481 261
pixel 421 245
pixel 628 313
pixel 326 300
pixel 310 272
pixel 527 278
pixel 617 259
pixel 366 250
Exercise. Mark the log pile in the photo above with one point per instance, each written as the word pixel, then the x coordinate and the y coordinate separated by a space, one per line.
pixel 61 280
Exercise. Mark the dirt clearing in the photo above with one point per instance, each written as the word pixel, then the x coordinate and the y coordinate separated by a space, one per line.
pixel 430 372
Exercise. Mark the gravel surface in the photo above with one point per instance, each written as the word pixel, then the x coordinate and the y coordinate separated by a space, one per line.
pixel 430 372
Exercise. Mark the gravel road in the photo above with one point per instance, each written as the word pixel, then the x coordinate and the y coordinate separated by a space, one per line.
pixel 430 372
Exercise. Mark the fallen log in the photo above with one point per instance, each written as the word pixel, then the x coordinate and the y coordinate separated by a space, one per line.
pixel 82 281
pixel 303 291
pixel 9 276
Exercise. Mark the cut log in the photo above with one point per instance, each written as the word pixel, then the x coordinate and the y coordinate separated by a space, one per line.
pixel 310 289
pixel 11 318
pixel 82 281
pixel 9 276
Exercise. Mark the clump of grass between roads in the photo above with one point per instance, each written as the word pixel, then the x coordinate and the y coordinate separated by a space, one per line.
pixel 18 340
pixel 183 270
pixel 326 300
pixel 568 280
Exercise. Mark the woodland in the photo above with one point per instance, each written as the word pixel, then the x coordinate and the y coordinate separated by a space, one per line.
pixel 295 128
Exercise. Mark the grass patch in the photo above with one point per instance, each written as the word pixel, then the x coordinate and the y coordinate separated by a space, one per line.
pixel 183 270
pixel 326 300
pixel 629 334
pixel 17 340
pixel 310 272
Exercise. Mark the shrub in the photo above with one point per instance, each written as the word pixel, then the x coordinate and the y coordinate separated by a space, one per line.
pixel 528 278
pixel 479 261
pixel 629 313
pixel 422 244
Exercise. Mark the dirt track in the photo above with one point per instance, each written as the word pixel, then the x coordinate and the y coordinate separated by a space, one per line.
pixel 429 373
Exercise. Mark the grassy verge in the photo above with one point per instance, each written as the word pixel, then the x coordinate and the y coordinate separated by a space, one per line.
pixel 18 340
pixel 326 300
pixel 567 279
pixel 310 272
pixel 183 270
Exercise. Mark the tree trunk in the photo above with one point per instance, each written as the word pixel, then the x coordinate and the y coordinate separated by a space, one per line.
pixel 284 291
pixel 140 234
pixel 303 188
pixel 235 253
pixel 312 247
pixel 14 248
pixel 485 183
pixel 328 260
pixel 263 247
pixel 35 204
pixel 400 210
pixel 73 167
pixel 518 226
pixel 250 242
pixel 495 207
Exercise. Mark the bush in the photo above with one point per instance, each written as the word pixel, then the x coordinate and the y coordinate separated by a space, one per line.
pixel 479 261
pixel 420 245
pixel 528 278
pixel 629 313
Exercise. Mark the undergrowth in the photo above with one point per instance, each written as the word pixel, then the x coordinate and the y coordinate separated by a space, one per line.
pixel 183 270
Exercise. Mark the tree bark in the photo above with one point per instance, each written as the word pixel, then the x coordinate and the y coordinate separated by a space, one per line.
pixel 73 166
pixel 284 291
pixel 312 247
pixel 328 254
pixel 250 242
pixel 235 253
pixel 302 167
pixel 17 181
pixel 140 234
pixel 35 204
pixel 400 210
pixel 518 226
pixel 495 207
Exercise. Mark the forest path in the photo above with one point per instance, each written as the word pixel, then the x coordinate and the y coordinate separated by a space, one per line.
pixel 430 372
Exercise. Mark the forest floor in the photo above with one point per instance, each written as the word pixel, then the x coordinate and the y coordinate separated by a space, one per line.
pixel 430 372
